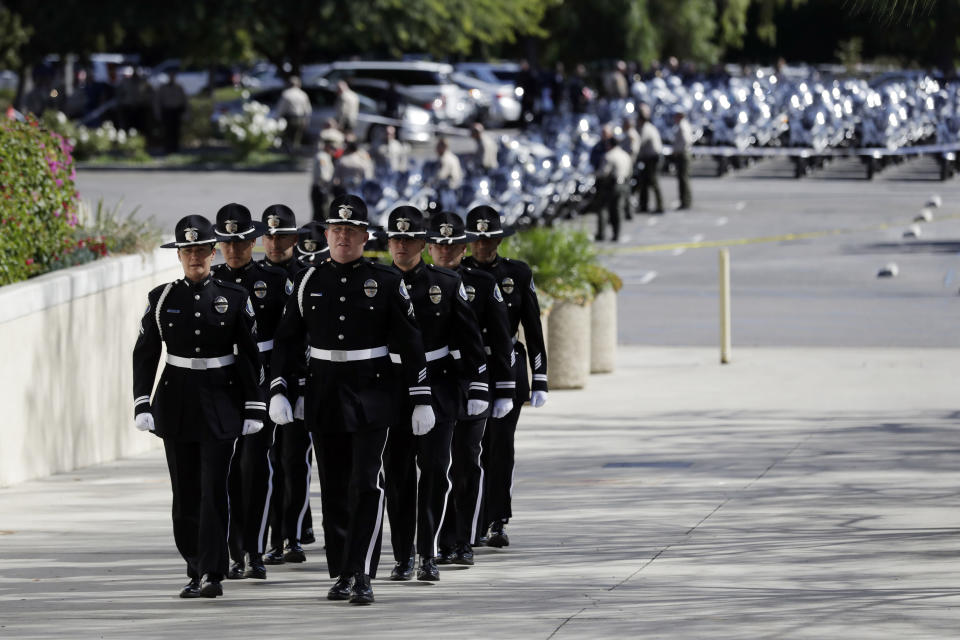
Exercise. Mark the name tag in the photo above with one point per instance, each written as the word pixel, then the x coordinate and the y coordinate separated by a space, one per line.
pixel 173 310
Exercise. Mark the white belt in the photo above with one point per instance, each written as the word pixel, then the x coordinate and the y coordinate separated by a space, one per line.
pixel 436 354
pixel 200 364
pixel 336 355
pixel 266 345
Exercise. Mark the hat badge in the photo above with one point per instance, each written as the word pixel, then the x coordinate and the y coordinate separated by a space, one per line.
pixel 446 229
pixel 403 224
pixel 483 225
pixel 190 234
pixel 345 212
pixel 273 221
pixel 230 226
pixel 310 245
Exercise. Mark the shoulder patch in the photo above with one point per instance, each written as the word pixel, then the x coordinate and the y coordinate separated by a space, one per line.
pixel 463 292
pixel 249 308
pixel 496 293
pixel 147 310
pixel 288 287
pixel 403 291
pixel 532 288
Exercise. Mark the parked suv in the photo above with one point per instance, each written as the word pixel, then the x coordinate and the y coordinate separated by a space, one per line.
pixel 427 82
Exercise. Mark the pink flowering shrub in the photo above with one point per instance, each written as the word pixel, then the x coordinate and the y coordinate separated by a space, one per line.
pixel 38 201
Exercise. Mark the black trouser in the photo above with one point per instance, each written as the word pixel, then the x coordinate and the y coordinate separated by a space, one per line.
pixel 251 489
pixel 201 514
pixel 463 508
pixel 350 467
pixel 319 201
pixel 682 162
pixel 417 508
pixel 290 515
pixel 615 198
pixel 498 463
pixel 649 182
pixel 171 120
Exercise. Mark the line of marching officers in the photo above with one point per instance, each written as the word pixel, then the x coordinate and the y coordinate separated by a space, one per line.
pixel 376 371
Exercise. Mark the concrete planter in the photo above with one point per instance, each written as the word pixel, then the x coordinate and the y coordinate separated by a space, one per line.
pixel 569 335
pixel 66 375
pixel 603 332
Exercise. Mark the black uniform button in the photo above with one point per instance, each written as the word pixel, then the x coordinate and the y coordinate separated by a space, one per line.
pixel 340 337
pixel 197 331
pixel 343 279
pixel 342 318
pixel 343 299
pixel 239 280
pixel 196 314
pixel 197 349
pixel 196 297
pixel 170 324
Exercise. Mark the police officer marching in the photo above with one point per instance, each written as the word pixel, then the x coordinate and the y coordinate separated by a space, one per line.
pixel 312 246
pixel 209 394
pixel 520 295
pixel 448 244
pixel 291 517
pixel 449 326
pixel 251 474
pixel 350 314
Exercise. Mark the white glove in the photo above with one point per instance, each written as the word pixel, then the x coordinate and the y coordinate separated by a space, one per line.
pixel 280 410
pixel 252 426
pixel 476 407
pixel 538 399
pixel 298 408
pixel 422 419
pixel 501 407
pixel 144 421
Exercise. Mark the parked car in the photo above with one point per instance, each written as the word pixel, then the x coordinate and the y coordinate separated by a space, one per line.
pixel 193 79
pixel 498 103
pixel 428 83
pixel 371 127
pixel 491 72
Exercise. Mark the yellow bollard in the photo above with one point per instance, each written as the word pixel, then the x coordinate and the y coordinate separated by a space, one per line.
pixel 724 306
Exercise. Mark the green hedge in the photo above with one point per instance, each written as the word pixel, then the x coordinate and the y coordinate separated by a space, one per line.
pixel 38 200
pixel 561 259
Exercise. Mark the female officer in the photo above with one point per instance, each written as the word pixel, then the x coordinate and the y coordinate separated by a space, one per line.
pixel 209 394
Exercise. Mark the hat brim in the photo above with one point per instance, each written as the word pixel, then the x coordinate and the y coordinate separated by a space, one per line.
pixel 178 245
pixel 435 238
pixel 286 231
pixel 251 234
pixel 312 253
pixel 331 222
pixel 497 233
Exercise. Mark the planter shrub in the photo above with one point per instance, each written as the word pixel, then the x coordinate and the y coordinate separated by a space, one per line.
pixel 38 200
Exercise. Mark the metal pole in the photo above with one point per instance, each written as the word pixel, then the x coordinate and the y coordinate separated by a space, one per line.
pixel 724 306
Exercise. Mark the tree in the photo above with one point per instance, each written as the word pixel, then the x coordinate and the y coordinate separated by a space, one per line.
pixel 13 35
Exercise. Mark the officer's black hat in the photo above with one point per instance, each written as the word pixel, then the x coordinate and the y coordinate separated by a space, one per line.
pixel 484 222
pixel 190 231
pixel 348 209
pixel 234 223
pixel 447 227
pixel 405 221
pixel 279 220
pixel 312 241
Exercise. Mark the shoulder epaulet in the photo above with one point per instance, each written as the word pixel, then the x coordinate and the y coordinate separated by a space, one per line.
pixel 385 268
pixel 157 290
pixel 274 270
pixel 446 272
pixel 230 285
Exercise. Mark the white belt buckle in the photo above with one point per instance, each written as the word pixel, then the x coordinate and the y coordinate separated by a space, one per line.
pixel 338 356
pixel 198 364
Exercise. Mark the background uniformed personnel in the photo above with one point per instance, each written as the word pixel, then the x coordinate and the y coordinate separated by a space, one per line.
pixel 209 394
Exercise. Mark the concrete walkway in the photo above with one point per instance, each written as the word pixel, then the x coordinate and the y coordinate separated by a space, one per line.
pixel 795 493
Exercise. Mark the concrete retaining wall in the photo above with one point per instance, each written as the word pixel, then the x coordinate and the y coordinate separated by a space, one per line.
pixel 66 340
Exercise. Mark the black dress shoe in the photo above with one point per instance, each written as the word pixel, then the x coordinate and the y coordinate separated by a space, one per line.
pixel 211 588
pixel 403 570
pixel 294 552
pixel 340 589
pixel 236 571
pixel 498 536
pixel 361 592
pixel 307 537
pixel 428 571
pixel 447 556
pixel 255 568
pixel 464 554
pixel 274 556
pixel 191 589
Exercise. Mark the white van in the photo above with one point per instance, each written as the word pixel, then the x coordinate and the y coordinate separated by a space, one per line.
pixel 428 82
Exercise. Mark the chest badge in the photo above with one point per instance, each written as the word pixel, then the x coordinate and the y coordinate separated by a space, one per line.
pixel 435 294
pixel 220 305
pixel 508 285
pixel 370 288
pixel 260 289
pixel 471 293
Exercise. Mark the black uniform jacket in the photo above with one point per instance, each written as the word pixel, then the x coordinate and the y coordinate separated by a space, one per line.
pixel 208 319
pixel 268 288
pixel 486 300
pixel 520 295
pixel 448 323
pixel 298 380
pixel 342 310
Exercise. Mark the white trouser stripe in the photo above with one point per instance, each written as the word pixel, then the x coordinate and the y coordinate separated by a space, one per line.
pixel 227 482
pixel 443 512
pixel 306 500
pixel 379 523
pixel 262 535
pixel 476 507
